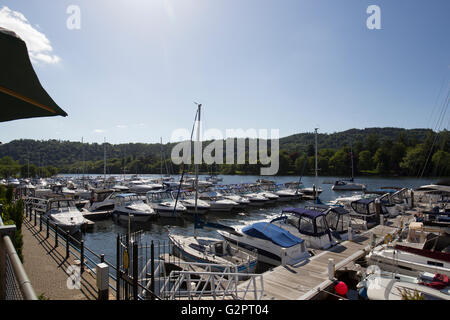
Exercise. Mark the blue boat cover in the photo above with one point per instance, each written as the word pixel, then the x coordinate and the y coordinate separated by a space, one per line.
pixel 271 232
pixel 303 212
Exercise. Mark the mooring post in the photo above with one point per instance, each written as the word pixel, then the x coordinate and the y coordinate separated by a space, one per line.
pixel 102 271
pixel 382 220
pixel 331 269
pixel 350 234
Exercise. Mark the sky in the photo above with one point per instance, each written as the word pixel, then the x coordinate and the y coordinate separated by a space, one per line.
pixel 134 68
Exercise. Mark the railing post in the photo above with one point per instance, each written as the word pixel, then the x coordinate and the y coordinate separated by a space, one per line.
pixel 67 244
pixel 152 268
pixel 40 223
pixel 48 229
pixel 135 270
pixel 56 235
pixel 2 269
pixel 81 256
pixel 35 217
pixel 118 267
pixel 102 258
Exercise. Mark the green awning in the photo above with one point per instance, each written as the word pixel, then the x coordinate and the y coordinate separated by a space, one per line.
pixel 21 94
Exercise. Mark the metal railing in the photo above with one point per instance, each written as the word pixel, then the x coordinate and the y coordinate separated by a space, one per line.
pixel 14 282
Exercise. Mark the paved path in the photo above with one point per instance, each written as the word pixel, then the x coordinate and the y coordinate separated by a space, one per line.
pixel 46 267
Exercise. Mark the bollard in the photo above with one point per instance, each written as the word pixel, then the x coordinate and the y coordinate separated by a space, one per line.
pixel 350 234
pixel 331 269
pixel 382 220
pixel 102 271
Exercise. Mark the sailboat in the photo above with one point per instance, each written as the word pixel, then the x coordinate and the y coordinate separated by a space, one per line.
pixel 210 250
pixel 348 185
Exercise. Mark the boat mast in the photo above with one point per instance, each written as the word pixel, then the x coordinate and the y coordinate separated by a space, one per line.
pixel 316 169
pixel 160 166
pixel 104 163
pixel 196 166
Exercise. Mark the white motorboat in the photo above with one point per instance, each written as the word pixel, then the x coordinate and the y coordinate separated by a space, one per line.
pixel 386 286
pixel 421 252
pixel 140 186
pixel 163 203
pixel 131 207
pixel 347 185
pixel 217 201
pixel 273 244
pixel 307 224
pixel 338 220
pixel 102 199
pixel 187 199
pixel 239 199
pixel 64 214
pixel 209 250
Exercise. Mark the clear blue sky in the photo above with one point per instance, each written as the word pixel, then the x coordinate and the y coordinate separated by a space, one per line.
pixel 133 70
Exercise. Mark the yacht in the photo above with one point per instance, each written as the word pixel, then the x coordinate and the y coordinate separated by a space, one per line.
pixel 131 207
pixel 187 199
pixel 422 251
pixel 229 194
pixel 217 201
pixel 347 185
pixel 140 186
pixel 338 220
pixel 163 203
pixel 307 224
pixel 389 286
pixel 102 199
pixel 64 214
pixel 213 251
pixel 274 245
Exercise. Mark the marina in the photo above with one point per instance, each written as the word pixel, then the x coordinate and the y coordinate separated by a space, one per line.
pixel 312 276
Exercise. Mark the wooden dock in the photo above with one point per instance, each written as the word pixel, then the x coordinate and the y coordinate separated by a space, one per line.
pixel 309 278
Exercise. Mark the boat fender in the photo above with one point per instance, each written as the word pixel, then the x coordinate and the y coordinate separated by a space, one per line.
pixel 387 238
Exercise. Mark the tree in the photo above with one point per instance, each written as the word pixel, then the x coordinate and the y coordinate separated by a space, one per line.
pixel 338 163
pixel 441 163
pixel 365 160
pixel 414 160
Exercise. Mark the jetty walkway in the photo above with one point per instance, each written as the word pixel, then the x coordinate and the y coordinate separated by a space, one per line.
pixel 309 279
pixel 48 268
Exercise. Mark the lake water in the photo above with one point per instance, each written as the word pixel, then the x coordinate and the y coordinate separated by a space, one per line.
pixel 102 238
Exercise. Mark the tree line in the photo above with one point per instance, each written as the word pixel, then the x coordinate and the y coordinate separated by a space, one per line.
pixel 373 151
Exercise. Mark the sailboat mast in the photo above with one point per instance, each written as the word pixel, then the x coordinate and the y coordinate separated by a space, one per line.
pixel 104 163
pixel 196 166
pixel 316 169
pixel 160 166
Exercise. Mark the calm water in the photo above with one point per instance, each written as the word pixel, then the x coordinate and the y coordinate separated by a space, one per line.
pixel 102 238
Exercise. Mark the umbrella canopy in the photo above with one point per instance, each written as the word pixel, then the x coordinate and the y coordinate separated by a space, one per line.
pixel 21 94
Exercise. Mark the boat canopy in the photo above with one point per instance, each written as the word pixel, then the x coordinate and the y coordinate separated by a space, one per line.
pixel 307 221
pixel 313 214
pixel 271 232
